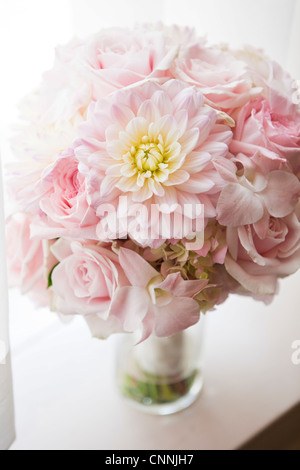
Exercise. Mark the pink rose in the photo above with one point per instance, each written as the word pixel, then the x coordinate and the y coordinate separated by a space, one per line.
pixel 86 279
pixel 264 251
pixel 277 85
pixel 36 147
pixel 25 256
pixel 222 78
pixel 104 62
pixel 28 261
pixel 275 136
pixel 63 199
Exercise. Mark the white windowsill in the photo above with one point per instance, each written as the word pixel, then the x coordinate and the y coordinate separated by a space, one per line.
pixel 64 381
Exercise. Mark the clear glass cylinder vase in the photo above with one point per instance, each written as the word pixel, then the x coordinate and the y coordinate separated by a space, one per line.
pixel 161 375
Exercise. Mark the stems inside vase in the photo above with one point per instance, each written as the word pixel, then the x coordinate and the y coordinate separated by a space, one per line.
pixel 162 372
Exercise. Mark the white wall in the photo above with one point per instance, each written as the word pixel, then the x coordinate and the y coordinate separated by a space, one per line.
pixel 262 23
pixel 30 29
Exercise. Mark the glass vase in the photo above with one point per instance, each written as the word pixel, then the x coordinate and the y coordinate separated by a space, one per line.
pixel 161 375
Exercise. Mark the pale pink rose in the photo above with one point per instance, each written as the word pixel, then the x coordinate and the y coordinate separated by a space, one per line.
pixel 62 197
pixel 152 304
pixel 90 69
pixel 250 189
pixel 86 279
pixel 221 77
pixel 36 146
pixel 260 129
pixel 25 256
pixel 278 86
pixel 264 251
pixel 153 144
pixel 28 264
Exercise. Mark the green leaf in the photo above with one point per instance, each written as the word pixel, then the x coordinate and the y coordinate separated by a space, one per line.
pixel 50 276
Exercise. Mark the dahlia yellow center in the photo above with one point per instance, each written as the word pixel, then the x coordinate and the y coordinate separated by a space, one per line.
pixel 148 159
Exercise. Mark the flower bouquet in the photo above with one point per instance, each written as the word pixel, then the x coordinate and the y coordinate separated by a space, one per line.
pixel 156 175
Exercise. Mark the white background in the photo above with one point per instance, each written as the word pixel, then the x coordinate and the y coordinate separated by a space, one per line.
pixel 29 31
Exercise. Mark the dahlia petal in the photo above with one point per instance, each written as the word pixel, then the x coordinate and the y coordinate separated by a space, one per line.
pixel 205 125
pixel 189 140
pixel 196 161
pixel 108 185
pixel 149 111
pixel 167 127
pixel 137 128
pixel 197 184
pixel 115 149
pixel 181 117
pixel 216 149
pixel 157 188
pixel 187 99
pixel 221 133
pixel 163 102
pixel 126 184
pixel 100 160
pixel 114 170
pixel 176 178
pixel 169 199
pixel 209 208
pixel 121 114
pixel 144 193
pixel 185 198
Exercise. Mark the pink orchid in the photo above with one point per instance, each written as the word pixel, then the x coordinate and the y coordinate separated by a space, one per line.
pixel 249 191
pixel 154 304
